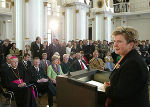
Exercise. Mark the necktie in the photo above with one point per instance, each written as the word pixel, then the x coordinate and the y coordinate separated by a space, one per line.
pixel 46 65
pixel 37 69
pixel 82 66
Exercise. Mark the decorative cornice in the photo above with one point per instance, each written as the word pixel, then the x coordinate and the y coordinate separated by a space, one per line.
pixel 93 19
pixel 45 38
pixel 8 0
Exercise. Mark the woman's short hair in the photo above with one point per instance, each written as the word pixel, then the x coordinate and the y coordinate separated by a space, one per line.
pixel 54 57
pixel 129 33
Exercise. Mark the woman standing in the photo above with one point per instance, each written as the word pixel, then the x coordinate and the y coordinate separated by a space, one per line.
pixel 128 86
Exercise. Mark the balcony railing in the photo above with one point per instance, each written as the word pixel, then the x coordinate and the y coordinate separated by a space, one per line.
pixel 121 7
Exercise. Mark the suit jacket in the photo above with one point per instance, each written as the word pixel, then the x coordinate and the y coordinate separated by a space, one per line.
pixel 129 82
pixel 77 66
pixel 36 51
pixel 37 75
pixel 26 68
pixel 42 64
pixel 66 67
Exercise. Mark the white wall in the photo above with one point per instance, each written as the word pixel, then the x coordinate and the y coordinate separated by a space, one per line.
pixel 142 24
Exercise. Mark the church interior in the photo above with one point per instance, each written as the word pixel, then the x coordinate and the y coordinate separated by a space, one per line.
pixel 48 33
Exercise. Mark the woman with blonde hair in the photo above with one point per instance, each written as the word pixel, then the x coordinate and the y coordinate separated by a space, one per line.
pixel 54 69
pixel 128 86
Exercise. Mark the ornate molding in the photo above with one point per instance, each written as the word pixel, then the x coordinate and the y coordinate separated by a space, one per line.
pixel 12 3
pixel 27 38
pixel 68 5
pixel 8 0
pixel 105 18
pixel 100 3
pixel 97 13
pixel 26 1
pixel 63 13
pixel 45 4
pixel 88 14
pixel 93 19
pixel 77 11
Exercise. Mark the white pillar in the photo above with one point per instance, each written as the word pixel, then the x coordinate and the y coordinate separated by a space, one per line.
pixel 109 28
pixel 19 5
pixel 81 21
pixel 35 14
pixel 45 22
pixel 69 24
pixel 100 27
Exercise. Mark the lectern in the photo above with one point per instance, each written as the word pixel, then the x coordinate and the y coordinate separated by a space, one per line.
pixel 74 91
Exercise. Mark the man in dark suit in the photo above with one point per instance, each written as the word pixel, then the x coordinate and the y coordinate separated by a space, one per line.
pixel 36 48
pixel 44 63
pixel 128 86
pixel 72 57
pixel 79 64
pixel 42 82
pixel 5 67
pixel 25 64
pixel 53 47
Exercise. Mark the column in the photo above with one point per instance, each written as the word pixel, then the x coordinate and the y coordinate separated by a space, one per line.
pixel 45 27
pixel 69 24
pixel 35 20
pixel 108 28
pixel 100 26
pixel 19 6
pixel 81 21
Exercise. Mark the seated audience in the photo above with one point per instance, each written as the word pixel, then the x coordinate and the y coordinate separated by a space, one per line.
pixel 44 63
pixel 79 64
pixel 65 65
pixel 13 50
pixel 13 79
pixel 96 63
pixel 54 69
pixel 109 61
pixel 42 82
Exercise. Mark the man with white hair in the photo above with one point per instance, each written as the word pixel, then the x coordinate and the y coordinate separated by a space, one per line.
pixel 65 65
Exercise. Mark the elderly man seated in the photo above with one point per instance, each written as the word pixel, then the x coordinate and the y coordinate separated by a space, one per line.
pixel 65 65
pixel 13 79
pixel 96 63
